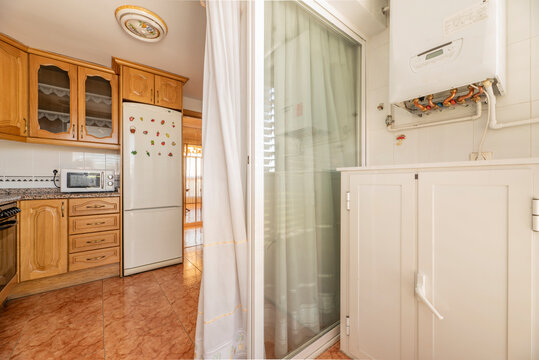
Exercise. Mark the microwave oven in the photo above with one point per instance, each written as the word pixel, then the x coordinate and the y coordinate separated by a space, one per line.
pixel 72 180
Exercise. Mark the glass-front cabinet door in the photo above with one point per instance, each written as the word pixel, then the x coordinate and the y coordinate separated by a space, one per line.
pixel 98 106
pixel 53 98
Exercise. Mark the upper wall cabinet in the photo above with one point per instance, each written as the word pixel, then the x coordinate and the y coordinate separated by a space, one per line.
pixel 53 99
pixel 14 93
pixel 138 85
pixel 168 92
pixel 98 106
pixel 71 101
pixel 148 85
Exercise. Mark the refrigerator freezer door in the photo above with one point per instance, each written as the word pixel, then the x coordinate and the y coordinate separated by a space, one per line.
pixel 152 238
pixel 152 165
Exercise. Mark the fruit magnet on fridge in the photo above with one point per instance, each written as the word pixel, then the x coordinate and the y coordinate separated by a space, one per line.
pixel 132 129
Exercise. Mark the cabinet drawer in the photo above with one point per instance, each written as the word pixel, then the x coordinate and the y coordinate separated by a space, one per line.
pixel 93 258
pixel 93 241
pixel 97 206
pixel 87 224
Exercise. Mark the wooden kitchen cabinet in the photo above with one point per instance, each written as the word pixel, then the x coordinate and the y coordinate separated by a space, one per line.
pixel 53 98
pixel 144 84
pixel 98 106
pixel 14 85
pixel 138 85
pixel 168 92
pixel 43 238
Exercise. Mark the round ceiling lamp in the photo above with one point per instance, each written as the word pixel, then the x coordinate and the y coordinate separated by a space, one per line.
pixel 141 23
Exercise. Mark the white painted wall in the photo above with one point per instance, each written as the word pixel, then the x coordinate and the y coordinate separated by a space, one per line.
pixel 454 142
pixel 192 104
pixel 37 161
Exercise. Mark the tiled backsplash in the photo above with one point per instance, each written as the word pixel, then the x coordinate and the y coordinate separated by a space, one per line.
pixel 30 165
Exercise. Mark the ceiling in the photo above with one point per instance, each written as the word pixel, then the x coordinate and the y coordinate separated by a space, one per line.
pixel 87 29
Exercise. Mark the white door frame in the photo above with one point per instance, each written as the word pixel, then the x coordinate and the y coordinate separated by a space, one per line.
pixel 254 11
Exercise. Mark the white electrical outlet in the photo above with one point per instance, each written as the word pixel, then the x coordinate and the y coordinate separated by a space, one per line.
pixel 485 155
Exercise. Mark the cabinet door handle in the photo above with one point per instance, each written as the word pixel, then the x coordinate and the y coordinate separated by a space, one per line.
pixel 81 131
pixel 95 241
pixel 96 258
pixel 96 223
pixel 157 99
pixel 25 125
pixel 63 209
pixel 95 206
pixel 420 293
pixel 74 128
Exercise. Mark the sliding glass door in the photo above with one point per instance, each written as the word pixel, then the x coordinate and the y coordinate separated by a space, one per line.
pixel 311 127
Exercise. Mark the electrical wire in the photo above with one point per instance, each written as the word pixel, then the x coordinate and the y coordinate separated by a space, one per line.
pixel 480 155
pixel 54 172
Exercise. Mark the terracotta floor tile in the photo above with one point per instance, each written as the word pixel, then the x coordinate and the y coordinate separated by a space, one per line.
pixel 13 318
pixel 66 324
pixel 333 352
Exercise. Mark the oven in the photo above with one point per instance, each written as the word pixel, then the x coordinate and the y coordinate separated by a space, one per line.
pixel 72 180
pixel 8 247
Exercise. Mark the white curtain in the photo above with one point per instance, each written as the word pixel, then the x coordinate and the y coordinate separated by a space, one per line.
pixel 311 129
pixel 221 325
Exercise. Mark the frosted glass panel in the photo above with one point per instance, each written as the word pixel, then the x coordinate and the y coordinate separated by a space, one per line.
pixel 311 127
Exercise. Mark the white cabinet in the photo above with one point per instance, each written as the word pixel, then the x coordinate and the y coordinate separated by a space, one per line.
pixel 467 233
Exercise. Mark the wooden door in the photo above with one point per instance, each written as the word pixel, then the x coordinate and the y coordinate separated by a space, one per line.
pixel 43 238
pixel 53 98
pixel 98 106
pixel 168 92
pixel 14 93
pixel 378 258
pixel 137 85
pixel 475 257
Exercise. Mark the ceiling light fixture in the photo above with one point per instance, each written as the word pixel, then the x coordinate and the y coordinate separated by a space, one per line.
pixel 141 23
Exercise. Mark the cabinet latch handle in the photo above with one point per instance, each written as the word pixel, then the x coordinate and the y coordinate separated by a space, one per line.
pixel 95 241
pixel 95 206
pixel 81 131
pixel 63 209
pixel 74 128
pixel 96 223
pixel 420 293
pixel 96 258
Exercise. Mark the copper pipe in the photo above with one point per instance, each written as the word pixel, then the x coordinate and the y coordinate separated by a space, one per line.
pixel 431 104
pixel 462 99
pixel 447 101
pixel 477 96
pixel 419 106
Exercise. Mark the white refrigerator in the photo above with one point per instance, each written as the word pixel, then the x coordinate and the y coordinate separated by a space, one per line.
pixel 152 187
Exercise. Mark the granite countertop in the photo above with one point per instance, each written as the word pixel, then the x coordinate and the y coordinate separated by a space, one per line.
pixel 8 195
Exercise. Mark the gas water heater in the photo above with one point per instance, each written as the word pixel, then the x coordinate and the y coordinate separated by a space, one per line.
pixel 441 48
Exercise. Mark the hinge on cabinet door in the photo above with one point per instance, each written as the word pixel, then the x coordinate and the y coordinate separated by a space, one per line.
pixel 347 325
pixel 348 200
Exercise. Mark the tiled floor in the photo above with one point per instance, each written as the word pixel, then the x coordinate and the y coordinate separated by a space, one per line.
pixel 333 353
pixel 145 316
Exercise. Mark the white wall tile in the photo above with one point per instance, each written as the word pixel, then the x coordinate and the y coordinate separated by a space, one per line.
pixel 534 18
pixel 17 158
pixel 72 160
pixel 113 162
pixel 376 128
pixel 534 66
pixel 518 74
pixel 94 161
pixel 508 143
pixel 45 160
pixel 518 21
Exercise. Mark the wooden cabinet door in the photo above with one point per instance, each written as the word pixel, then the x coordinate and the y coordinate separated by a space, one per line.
pixel 378 262
pixel 475 248
pixel 168 92
pixel 14 93
pixel 53 98
pixel 43 238
pixel 98 106
pixel 137 85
